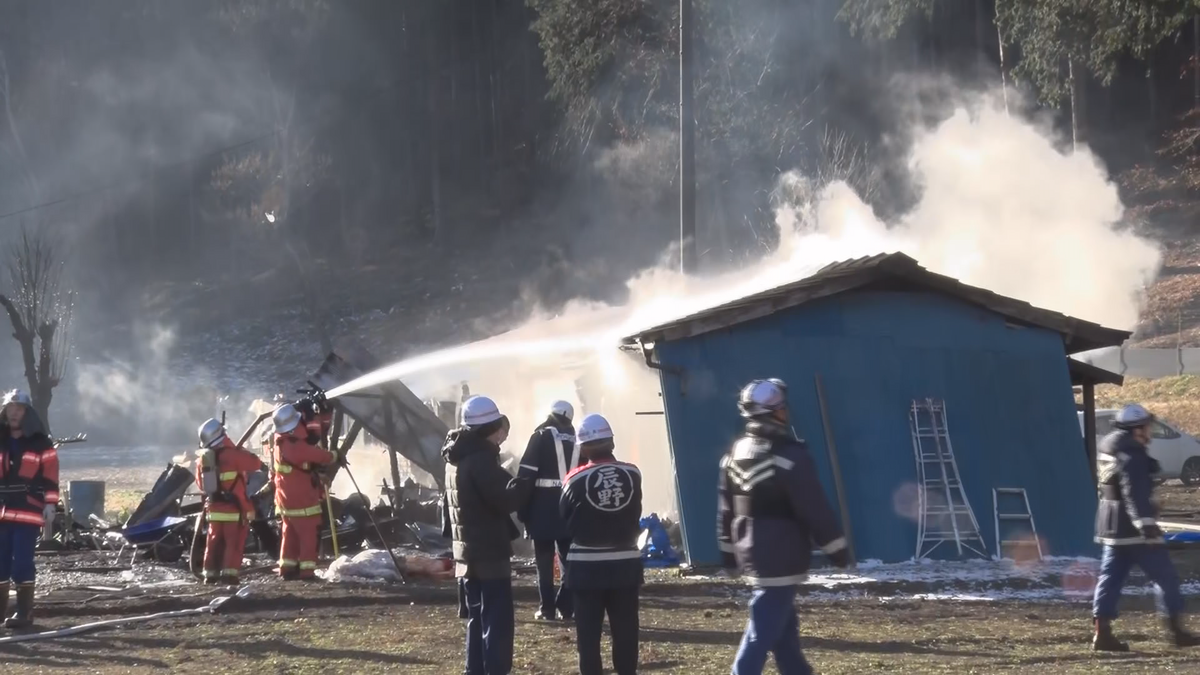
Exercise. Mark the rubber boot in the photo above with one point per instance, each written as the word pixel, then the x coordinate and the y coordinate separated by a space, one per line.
pixel 230 580
pixel 24 616
pixel 1104 640
pixel 1178 635
pixel 289 573
pixel 4 590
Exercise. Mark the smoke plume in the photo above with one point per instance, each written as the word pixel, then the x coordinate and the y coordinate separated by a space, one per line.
pixel 1001 205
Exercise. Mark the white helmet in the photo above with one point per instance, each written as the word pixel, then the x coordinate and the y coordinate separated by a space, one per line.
pixel 285 418
pixel 16 396
pixel 1133 416
pixel 212 433
pixel 478 411
pixel 762 397
pixel 563 409
pixel 593 428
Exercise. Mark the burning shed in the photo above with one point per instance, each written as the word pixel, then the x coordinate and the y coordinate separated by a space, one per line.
pixel 940 415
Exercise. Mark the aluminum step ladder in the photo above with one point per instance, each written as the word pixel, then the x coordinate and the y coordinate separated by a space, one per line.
pixel 945 515
pixel 1020 512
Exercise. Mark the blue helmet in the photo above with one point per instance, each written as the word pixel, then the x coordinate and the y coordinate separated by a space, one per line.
pixel 1133 416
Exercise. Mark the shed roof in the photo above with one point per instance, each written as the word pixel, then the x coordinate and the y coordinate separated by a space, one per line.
pixel 890 271
pixel 1083 372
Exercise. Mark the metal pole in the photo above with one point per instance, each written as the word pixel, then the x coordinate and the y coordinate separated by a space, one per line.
pixel 687 142
pixel 836 468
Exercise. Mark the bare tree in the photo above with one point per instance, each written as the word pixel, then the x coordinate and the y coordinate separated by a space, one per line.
pixel 40 309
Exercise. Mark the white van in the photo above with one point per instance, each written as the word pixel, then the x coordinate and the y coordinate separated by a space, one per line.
pixel 1177 452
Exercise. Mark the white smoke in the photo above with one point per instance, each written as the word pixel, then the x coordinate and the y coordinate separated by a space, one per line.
pixel 1001 206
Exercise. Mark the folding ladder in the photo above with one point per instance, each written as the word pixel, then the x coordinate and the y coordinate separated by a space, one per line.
pixel 1019 511
pixel 945 515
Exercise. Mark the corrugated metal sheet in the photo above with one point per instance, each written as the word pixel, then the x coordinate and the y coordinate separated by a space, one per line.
pixel 894 271
pixel 1007 388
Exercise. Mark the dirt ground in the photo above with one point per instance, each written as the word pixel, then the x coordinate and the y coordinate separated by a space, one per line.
pixel 687 627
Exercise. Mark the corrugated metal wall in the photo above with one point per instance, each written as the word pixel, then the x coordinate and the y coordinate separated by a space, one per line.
pixel 1007 390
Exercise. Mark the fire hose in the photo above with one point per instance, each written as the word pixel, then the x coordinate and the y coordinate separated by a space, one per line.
pixel 211 608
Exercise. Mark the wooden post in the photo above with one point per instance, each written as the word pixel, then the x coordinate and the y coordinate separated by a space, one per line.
pixel 1089 425
pixel 836 468
pixel 389 428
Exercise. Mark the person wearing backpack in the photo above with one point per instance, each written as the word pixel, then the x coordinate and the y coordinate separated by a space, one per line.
pixel 221 472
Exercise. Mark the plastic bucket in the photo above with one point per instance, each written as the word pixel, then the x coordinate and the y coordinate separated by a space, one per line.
pixel 86 498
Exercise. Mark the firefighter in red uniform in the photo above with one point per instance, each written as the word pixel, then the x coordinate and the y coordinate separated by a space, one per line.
pixel 300 430
pixel 28 497
pixel 229 508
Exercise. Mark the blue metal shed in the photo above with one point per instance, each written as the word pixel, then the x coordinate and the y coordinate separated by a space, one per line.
pixel 881 332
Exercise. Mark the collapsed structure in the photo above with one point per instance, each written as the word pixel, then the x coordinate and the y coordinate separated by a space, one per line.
pixel 941 415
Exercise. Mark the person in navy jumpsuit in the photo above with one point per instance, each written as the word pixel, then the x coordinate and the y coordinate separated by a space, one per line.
pixel 549 457
pixel 1127 527
pixel 602 506
pixel 771 509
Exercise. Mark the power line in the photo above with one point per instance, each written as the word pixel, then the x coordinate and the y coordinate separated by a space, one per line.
pixel 136 179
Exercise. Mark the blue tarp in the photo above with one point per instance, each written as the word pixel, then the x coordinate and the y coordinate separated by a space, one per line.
pixel 656 544
pixel 1183 537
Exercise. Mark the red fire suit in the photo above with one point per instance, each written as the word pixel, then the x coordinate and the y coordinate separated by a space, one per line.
pixel 299 494
pixel 230 514
pixel 28 483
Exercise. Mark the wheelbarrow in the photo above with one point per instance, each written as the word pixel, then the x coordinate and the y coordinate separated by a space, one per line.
pixel 160 536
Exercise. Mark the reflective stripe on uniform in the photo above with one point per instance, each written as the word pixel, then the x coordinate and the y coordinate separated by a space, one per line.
pixel 771 582
pixel 834 546
pixel 15 516
pixel 210 574
pixel 308 565
pixel 301 513
pixel 575 555
pixel 230 572
pixel 228 475
pixel 224 517
pixel 284 562
pixel 547 483
pixel 287 468
pixel 1128 541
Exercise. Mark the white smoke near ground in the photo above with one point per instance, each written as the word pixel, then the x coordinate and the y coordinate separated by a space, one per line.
pixel 149 398
pixel 1001 206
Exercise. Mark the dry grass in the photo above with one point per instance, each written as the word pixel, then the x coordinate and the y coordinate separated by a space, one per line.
pixel 686 628
pixel 1176 399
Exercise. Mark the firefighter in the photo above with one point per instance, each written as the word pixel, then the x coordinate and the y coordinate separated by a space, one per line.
pixel 480 498
pixel 770 510
pixel 550 455
pixel 602 507
pixel 299 492
pixel 1126 525
pixel 227 503
pixel 28 500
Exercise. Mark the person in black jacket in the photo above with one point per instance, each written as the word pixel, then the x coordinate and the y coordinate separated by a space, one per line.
pixel 602 506
pixel 1127 526
pixel 480 496
pixel 770 510
pixel 549 457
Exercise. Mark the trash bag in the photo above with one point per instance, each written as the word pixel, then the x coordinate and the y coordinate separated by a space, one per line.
pixel 655 544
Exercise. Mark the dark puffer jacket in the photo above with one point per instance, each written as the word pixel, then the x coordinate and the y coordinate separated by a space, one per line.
pixel 480 495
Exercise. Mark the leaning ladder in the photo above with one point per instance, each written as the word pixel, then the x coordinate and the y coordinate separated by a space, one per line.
pixel 945 515
pixel 1015 516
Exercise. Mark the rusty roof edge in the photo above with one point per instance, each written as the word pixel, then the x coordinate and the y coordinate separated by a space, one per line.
pixel 1078 334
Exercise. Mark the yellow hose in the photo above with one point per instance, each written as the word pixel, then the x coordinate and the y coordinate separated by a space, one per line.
pixel 332 525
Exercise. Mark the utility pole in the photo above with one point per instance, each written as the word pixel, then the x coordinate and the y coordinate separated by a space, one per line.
pixel 687 142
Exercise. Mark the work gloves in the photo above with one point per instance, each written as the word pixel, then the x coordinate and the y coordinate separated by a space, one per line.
pixel 1152 532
